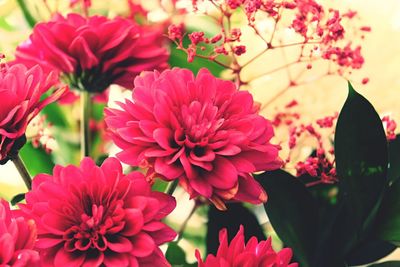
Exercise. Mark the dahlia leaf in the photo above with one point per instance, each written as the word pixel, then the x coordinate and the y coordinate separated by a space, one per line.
pixel 370 251
pixel 389 215
pixel 37 160
pixel 387 264
pixel 292 212
pixel 394 159
pixel 361 161
pixel 231 219
pixel 176 256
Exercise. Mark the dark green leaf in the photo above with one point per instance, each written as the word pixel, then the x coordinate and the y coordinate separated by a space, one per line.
pixel 387 264
pixel 55 115
pixel 231 219
pixel 17 198
pixel 361 162
pixel 176 256
pixel 369 252
pixel 36 160
pixel 394 159
pixel 389 215
pixel 292 212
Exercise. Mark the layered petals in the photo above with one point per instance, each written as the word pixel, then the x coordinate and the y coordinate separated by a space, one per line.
pixel 253 254
pixel 97 216
pixel 94 52
pixel 198 129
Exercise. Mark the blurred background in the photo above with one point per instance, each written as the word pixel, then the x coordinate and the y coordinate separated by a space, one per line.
pixel 317 97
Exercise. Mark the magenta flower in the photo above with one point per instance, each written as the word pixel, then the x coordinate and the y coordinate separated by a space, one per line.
pixel 95 52
pixel 200 130
pixel 97 216
pixel 252 254
pixel 17 238
pixel 21 90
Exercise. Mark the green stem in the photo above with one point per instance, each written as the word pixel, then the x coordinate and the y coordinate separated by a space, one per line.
pixel 19 164
pixel 27 14
pixel 185 222
pixel 171 187
pixel 85 116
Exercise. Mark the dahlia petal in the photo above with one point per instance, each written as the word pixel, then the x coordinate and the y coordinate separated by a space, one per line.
pixel 143 245
pixel 43 243
pixel 224 175
pixel 64 258
pixel 6 247
pixel 93 260
pixel 134 222
pixel 202 187
pixel 119 244
pixel 170 171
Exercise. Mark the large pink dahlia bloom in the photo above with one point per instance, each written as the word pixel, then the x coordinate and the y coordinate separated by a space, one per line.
pixel 17 238
pixel 97 216
pixel 95 52
pixel 21 93
pixel 252 254
pixel 201 130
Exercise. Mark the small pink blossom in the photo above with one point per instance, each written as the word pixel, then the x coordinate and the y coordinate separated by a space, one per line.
pixel 200 130
pixel 252 254
pixel 97 216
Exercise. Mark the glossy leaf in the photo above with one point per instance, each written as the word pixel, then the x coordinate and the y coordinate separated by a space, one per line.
pixel 235 215
pixel 394 159
pixel 389 215
pixel 292 212
pixel 361 161
pixel 370 252
pixel 36 160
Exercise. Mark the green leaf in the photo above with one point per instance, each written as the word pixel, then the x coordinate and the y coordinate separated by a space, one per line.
pixel 231 219
pixel 394 159
pixel 370 251
pixel 55 115
pixel 387 264
pixel 36 159
pixel 292 212
pixel 361 161
pixel 389 215
pixel 5 25
pixel 176 256
pixel 17 198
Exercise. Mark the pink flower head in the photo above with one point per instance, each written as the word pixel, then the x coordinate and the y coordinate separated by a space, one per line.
pixel 252 254
pixel 95 52
pixel 17 238
pixel 97 216
pixel 200 130
pixel 21 90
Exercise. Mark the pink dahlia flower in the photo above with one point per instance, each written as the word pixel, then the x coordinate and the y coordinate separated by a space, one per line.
pixel 200 130
pixel 95 52
pixel 97 216
pixel 252 254
pixel 17 238
pixel 21 93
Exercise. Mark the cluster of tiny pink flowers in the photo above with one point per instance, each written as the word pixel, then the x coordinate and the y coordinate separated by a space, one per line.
pixel 43 137
pixel 390 127
pixel 317 26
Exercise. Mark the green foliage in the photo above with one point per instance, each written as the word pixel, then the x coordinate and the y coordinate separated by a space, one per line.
pixel 176 256
pixel 341 232
pixel 36 159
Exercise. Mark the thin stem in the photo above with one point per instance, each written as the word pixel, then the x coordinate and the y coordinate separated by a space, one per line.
pixel 185 222
pixel 171 187
pixel 27 14
pixel 85 116
pixel 19 164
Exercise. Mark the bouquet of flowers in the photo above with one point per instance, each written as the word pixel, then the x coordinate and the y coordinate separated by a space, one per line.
pixel 141 140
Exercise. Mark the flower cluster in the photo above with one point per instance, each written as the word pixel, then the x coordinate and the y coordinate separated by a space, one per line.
pixel 390 127
pixel 17 238
pixel 252 254
pixel 321 31
pixel 97 216
pixel 200 130
pixel 24 88
pixel 94 52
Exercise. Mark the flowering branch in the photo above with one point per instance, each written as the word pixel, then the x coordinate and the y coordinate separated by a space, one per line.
pixel 19 164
